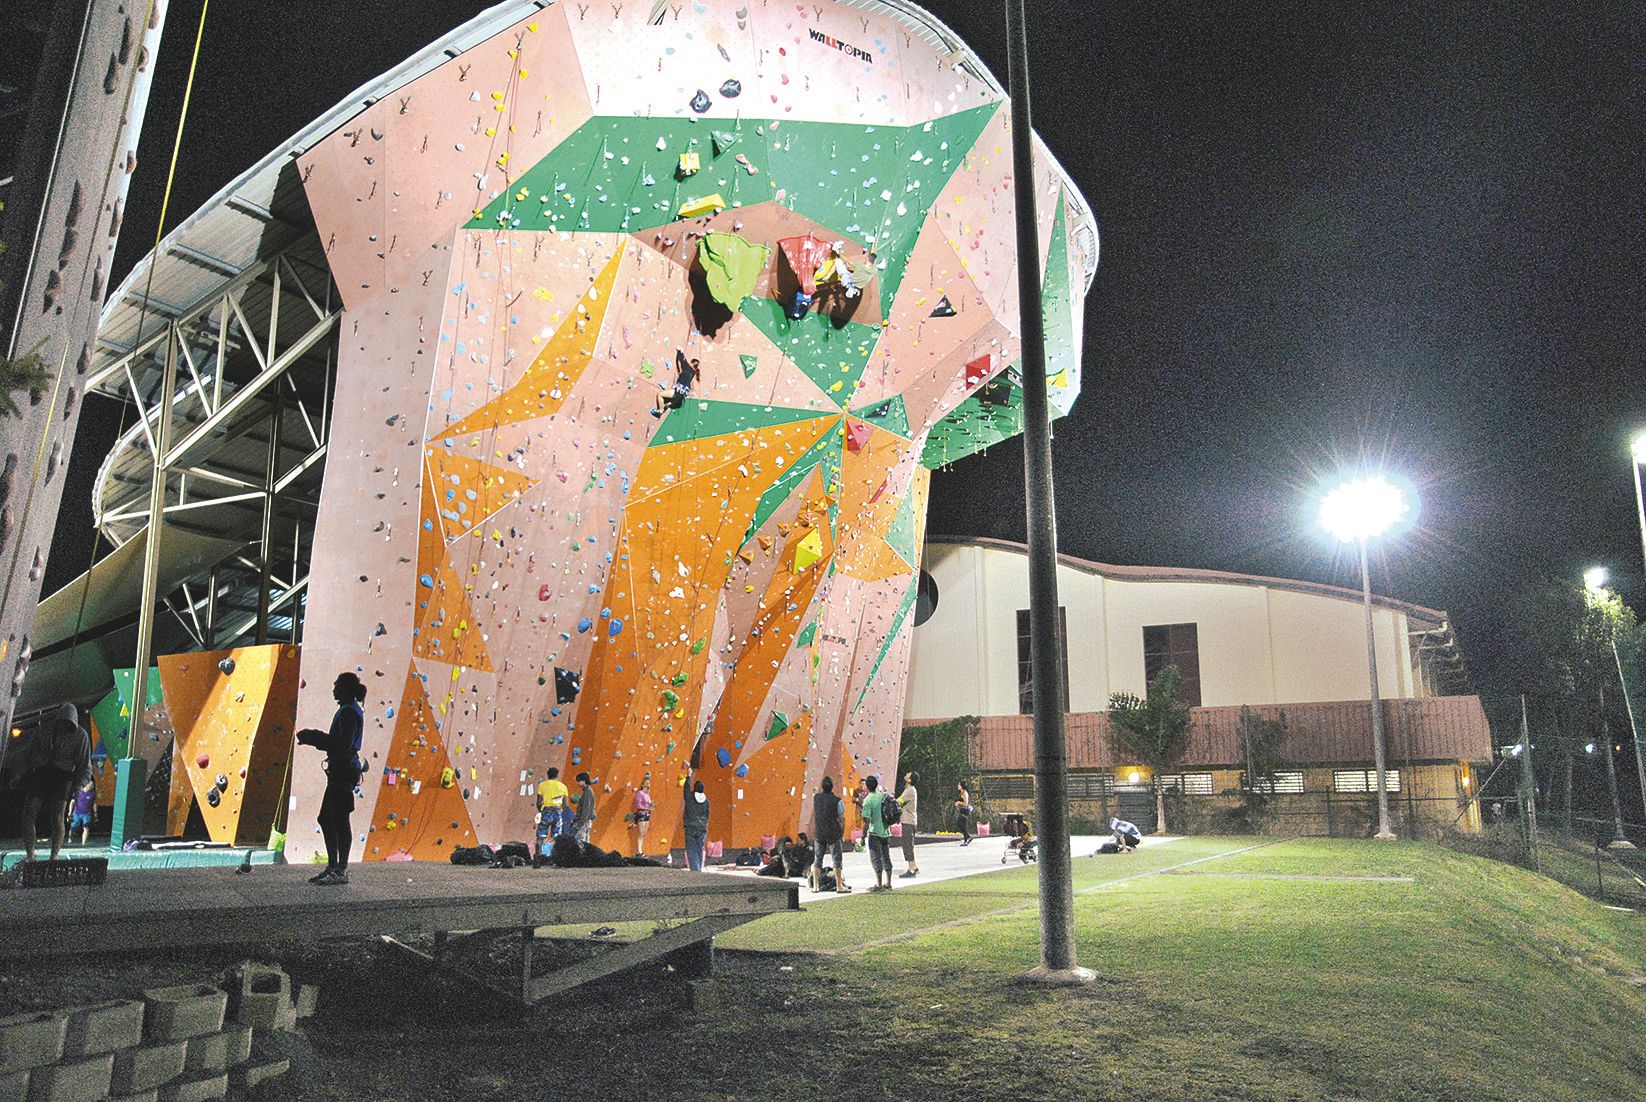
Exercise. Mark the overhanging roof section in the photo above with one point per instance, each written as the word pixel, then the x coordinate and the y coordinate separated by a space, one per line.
pixel 112 588
pixel 263 211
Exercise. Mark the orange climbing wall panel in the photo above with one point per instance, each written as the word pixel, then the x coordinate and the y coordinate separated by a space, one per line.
pixel 232 712
pixel 538 545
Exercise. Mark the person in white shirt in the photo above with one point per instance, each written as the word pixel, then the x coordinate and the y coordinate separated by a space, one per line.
pixel 910 799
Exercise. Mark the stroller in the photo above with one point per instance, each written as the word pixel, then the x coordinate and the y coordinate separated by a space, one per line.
pixel 1020 838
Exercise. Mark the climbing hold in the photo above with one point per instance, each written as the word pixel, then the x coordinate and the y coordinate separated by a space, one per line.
pixel 944 308
pixel 731 267
pixel 567 684
pixel 779 724
pixel 707 204
pixel 213 797
pixel 448 777
pixel 742 770
pixel 701 102
pixel 584 625
pixel 202 760
pixel 808 550
pixel 671 699
pixel 689 164
pixel 615 628
pixel 723 756
pixel 227 665
pixel 697 647
pixel 223 782
pixel 731 89
pixel 724 140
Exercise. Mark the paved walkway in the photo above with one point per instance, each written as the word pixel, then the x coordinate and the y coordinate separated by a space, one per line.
pixel 943 860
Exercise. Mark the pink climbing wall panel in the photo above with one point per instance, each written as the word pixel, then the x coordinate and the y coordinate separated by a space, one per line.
pixel 539 544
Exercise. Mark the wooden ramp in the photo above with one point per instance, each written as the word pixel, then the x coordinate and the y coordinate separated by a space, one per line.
pixel 171 908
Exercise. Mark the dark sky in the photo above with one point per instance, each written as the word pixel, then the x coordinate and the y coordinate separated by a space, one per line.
pixel 1403 233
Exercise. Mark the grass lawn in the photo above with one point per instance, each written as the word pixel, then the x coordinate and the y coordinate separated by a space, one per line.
pixel 1287 971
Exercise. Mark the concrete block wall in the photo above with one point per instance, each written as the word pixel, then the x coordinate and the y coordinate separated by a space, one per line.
pixel 186 1043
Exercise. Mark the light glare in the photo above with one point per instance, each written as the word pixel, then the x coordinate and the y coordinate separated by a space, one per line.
pixel 1594 579
pixel 1639 448
pixel 1363 508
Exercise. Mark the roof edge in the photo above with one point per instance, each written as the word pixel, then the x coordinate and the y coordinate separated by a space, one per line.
pixel 1437 618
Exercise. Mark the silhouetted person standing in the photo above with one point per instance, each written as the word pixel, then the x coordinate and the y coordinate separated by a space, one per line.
pixel 59 762
pixel 343 768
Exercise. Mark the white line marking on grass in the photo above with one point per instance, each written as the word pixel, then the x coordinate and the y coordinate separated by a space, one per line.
pixel 1299 876
pixel 1018 907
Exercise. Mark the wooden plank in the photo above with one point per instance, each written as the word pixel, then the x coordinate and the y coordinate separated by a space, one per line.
pixel 168 908
pixel 629 954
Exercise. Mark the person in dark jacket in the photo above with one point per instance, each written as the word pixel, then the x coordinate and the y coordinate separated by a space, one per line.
pixel 828 827
pixel 59 761
pixel 696 823
pixel 343 768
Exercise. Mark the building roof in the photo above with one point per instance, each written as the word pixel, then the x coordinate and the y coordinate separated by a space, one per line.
pixel 1424 619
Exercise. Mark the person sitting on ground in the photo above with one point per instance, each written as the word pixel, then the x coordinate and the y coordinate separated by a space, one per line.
pixel 1018 832
pixel 1126 835
pixel 85 806
pixel 798 857
pixel 775 865
pixel 674 397
pixel 59 762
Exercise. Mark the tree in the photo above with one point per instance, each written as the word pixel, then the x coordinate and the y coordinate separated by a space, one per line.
pixel 1261 739
pixel 937 752
pixel 1154 729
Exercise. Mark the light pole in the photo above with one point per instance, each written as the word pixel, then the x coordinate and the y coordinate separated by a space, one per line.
pixel 1356 511
pixel 1637 452
pixel 1594 588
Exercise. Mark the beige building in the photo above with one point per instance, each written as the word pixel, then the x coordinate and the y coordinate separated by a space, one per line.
pixel 1285 649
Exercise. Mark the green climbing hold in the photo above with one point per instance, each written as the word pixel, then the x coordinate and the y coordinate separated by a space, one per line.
pixel 750 365
pixel 732 267
pixel 780 723
pixel 671 699
pixel 697 647
pixel 724 140
pixel 807 634
pixel 679 678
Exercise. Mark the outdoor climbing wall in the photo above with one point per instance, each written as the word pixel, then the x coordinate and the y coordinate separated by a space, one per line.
pixel 789 231
pixel 233 714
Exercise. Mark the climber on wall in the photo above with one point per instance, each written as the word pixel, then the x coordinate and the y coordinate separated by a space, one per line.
pixel 343 769
pixel 675 397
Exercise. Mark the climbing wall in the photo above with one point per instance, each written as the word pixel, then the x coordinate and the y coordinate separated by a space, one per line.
pixel 233 714
pixel 534 546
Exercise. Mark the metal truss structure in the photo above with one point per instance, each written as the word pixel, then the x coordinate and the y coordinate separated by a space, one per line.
pixel 232 398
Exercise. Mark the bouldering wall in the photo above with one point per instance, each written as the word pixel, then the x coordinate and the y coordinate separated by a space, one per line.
pixel 232 712
pixel 652 335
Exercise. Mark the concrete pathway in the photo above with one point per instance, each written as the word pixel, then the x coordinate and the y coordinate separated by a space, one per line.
pixel 943 860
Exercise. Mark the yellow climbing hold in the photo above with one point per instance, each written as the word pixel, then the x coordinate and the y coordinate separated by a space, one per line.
pixel 808 550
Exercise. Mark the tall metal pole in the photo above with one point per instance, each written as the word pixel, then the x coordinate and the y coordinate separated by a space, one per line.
pixel 1619 839
pixel 1057 948
pixel 1636 459
pixel 1378 754
pixel 1634 728
pixel 151 547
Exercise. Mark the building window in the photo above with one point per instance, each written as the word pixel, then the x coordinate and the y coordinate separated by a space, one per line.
pixel 1019 787
pixel 1364 780
pixel 1025 665
pixel 1174 645
pixel 1090 786
pixel 1282 784
pixel 1190 784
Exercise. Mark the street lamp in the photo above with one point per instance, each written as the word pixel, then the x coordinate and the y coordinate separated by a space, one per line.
pixel 1356 511
pixel 1594 585
pixel 1637 451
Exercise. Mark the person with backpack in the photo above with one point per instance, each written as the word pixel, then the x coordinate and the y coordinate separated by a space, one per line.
pixel 59 761
pixel 343 769
pixel 875 808
pixel 828 828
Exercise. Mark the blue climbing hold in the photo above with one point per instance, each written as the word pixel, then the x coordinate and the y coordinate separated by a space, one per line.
pixel 743 771
pixel 584 625
pixel 615 628
pixel 723 756
pixel 425 581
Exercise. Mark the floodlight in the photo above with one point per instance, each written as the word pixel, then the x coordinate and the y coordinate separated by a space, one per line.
pixel 1594 578
pixel 1363 508
pixel 1638 447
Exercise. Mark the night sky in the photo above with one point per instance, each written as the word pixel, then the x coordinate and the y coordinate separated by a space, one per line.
pixel 1402 234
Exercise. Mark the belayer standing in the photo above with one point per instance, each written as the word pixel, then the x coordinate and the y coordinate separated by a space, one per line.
pixel 343 768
